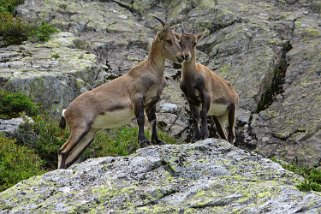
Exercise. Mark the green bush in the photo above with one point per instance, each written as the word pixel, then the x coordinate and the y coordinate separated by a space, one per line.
pixel 8 6
pixel 13 104
pixel 312 176
pixel 16 163
pixel 13 30
pixel 43 136
pixel 41 32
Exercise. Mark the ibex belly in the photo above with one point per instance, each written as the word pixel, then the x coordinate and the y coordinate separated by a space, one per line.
pixel 217 109
pixel 113 119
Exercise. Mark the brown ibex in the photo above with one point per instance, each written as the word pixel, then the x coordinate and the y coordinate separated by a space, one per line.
pixel 117 102
pixel 207 93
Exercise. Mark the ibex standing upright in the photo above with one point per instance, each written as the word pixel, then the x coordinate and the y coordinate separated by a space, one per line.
pixel 207 93
pixel 117 102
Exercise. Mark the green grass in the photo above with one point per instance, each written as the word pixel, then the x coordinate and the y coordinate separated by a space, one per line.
pixel 312 176
pixel 120 142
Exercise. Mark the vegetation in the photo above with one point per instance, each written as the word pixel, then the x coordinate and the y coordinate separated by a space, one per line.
pixel 17 163
pixel 14 30
pixel 32 149
pixel 45 137
pixel 13 104
pixel 41 32
pixel 312 176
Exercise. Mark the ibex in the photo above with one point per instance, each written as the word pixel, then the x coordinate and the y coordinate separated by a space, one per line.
pixel 117 102
pixel 207 93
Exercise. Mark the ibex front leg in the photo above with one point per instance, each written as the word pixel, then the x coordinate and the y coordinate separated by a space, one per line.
pixel 196 116
pixel 139 113
pixel 151 114
pixel 204 111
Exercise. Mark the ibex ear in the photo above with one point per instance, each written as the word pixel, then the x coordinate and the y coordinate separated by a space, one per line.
pixel 199 37
pixel 177 35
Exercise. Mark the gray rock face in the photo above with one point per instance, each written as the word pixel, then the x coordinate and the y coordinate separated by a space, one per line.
pixel 10 126
pixel 210 176
pixel 269 50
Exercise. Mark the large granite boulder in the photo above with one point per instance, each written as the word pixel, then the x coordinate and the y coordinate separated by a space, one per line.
pixel 210 176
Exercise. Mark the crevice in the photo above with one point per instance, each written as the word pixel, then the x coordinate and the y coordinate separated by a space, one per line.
pixel 129 7
pixel 276 87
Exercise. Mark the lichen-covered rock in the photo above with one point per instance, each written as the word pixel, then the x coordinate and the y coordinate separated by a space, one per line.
pixel 210 176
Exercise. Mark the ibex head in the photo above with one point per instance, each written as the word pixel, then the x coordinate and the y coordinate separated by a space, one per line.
pixel 169 42
pixel 188 43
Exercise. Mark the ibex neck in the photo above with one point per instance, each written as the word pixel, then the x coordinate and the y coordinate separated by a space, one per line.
pixel 155 57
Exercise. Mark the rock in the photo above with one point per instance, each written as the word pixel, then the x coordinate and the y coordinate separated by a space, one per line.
pixel 268 50
pixel 210 176
pixel 11 125
pixel 168 107
pixel 292 123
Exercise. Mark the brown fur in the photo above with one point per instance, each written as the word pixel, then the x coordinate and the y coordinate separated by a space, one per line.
pixel 206 90
pixel 135 92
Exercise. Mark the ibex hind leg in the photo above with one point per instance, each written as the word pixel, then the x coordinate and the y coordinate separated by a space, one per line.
pixel 78 149
pixel 76 134
pixel 220 125
pixel 231 124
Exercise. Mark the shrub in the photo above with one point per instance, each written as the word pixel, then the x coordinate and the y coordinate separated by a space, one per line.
pixel 42 32
pixel 12 104
pixel 44 137
pixel 8 6
pixel 14 30
pixel 16 163
pixel 312 176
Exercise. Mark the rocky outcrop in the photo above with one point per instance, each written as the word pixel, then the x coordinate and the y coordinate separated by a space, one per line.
pixel 210 176
pixel 269 50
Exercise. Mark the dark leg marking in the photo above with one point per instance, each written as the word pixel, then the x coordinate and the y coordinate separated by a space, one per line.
pixel 139 113
pixel 231 122
pixel 151 114
pixel 196 116
pixel 204 111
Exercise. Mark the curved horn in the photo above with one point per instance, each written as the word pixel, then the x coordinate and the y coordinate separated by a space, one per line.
pixel 160 20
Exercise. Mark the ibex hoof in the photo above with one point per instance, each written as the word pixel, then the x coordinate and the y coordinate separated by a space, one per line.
pixel 158 142
pixel 143 142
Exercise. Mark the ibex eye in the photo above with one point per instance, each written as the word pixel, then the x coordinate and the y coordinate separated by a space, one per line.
pixel 169 42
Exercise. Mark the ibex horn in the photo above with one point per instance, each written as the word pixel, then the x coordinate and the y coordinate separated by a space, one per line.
pixel 160 20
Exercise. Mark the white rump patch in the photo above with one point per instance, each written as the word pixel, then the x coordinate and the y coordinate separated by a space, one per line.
pixel 217 109
pixel 63 112
pixel 113 119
